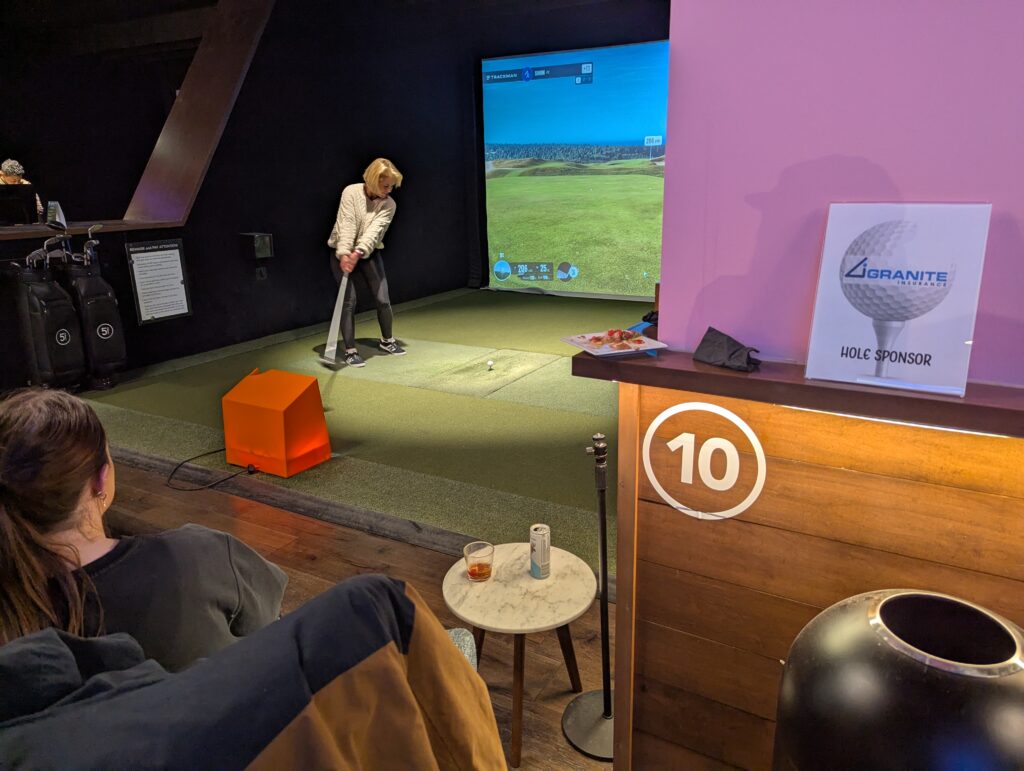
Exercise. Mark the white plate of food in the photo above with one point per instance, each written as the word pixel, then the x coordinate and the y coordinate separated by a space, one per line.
pixel 614 342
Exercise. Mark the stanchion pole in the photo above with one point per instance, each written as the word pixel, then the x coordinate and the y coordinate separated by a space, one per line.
pixel 587 722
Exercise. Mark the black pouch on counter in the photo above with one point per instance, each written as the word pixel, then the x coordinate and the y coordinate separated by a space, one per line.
pixel 723 351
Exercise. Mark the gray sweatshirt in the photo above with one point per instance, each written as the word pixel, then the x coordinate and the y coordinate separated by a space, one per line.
pixel 186 593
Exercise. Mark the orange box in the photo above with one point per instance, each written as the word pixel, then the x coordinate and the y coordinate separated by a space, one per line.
pixel 275 421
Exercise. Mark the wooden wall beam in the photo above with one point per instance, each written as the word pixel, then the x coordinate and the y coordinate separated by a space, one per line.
pixel 181 157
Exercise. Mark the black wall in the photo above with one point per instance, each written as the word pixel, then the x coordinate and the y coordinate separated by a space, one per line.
pixel 84 127
pixel 332 86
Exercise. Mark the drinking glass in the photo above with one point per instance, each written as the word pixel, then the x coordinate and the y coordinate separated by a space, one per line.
pixel 479 558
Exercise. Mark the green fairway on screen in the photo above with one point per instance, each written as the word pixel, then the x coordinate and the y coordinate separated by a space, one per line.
pixel 574 160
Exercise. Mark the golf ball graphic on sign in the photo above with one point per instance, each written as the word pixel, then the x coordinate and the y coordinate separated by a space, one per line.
pixel 880 280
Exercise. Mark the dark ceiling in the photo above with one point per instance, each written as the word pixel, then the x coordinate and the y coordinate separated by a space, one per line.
pixel 68 14
pixel 35 28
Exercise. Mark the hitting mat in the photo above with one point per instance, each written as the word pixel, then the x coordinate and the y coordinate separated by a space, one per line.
pixel 479 431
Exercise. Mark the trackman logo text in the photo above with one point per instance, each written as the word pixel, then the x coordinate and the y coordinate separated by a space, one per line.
pixel 901 276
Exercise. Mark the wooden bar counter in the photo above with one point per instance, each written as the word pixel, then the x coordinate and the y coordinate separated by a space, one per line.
pixel 808 492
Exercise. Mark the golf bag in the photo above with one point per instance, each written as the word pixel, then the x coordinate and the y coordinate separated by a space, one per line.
pixel 50 332
pixel 102 331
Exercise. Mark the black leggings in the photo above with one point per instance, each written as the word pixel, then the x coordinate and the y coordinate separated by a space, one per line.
pixel 368 275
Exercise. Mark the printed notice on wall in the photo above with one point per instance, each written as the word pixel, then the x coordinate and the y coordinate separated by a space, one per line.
pixel 898 294
pixel 158 278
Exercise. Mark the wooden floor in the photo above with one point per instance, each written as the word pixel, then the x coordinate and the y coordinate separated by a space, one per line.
pixel 318 554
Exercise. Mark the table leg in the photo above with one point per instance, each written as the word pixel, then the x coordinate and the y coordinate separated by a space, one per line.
pixel 569 654
pixel 519 664
pixel 478 638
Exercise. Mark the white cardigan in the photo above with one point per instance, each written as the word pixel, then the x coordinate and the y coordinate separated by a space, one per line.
pixel 361 222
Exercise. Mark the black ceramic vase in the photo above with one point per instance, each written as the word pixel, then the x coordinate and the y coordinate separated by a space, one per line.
pixel 903 679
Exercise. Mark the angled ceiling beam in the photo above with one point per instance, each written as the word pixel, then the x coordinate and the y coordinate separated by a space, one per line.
pixel 193 129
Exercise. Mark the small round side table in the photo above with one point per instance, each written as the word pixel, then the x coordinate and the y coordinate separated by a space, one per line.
pixel 514 602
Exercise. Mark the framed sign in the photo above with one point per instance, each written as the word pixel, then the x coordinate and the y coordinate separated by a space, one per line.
pixel 897 295
pixel 158 280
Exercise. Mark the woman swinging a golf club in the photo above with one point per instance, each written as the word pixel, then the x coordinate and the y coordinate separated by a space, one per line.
pixel 364 214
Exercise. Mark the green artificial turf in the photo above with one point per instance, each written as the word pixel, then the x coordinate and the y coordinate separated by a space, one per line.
pixel 437 436
pixel 513 320
pixel 476 511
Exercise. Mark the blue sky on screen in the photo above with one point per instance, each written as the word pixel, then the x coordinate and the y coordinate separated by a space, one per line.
pixel 627 101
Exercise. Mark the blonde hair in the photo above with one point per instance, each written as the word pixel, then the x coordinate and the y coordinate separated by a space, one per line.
pixel 377 169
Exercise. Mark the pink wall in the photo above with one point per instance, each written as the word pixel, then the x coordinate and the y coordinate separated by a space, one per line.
pixel 778 108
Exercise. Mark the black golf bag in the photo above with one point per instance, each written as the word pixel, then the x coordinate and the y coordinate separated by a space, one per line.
pixel 102 330
pixel 50 331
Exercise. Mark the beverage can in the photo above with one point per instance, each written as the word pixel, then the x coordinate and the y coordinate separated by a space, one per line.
pixel 540 551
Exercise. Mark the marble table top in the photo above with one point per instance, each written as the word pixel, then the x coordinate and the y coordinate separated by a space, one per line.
pixel 514 602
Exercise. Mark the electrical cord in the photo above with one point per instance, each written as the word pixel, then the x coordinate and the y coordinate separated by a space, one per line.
pixel 250 469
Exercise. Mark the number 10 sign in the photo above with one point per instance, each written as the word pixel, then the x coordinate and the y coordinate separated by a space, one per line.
pixel 710 467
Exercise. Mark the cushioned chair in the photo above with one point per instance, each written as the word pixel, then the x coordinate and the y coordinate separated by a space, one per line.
pixel 362 676
pixel 464 641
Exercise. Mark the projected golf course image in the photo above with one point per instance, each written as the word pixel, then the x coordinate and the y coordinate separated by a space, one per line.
pixel 596 227
pixel 574 148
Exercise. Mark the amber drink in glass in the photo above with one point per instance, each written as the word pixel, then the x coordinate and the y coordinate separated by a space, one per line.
pixel 479 560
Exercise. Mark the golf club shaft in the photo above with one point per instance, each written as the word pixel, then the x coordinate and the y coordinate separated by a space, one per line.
pixel 331 350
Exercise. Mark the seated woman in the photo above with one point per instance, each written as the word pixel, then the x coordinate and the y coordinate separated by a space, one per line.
pixel 183 594
pixel 13 173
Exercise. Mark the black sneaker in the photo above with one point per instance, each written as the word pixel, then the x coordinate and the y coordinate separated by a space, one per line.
pixel 393 348
pixel 354 360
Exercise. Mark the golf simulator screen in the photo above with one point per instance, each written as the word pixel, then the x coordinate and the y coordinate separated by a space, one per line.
pixel 574 159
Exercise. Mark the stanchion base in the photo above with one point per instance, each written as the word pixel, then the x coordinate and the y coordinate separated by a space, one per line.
pixel 586 727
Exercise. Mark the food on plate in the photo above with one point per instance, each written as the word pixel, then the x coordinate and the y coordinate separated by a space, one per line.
pixel 619 339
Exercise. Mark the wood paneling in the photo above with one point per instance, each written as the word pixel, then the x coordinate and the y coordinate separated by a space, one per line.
pixel 654 754
pixel 957 459
pixel 808 569
pixel 848 506
pixel 740 617
pixel 910 518
pixel 708 727
pixel 737 678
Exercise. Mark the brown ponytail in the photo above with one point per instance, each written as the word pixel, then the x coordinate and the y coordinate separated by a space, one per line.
pixel 51 446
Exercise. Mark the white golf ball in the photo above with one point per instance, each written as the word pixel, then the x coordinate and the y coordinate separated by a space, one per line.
pixel 881 248
pixel 490 364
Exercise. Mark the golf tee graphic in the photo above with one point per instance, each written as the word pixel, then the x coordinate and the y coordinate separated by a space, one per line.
pixel 914 272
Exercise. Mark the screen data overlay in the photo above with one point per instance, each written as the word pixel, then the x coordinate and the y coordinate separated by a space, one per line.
pixel 574 163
